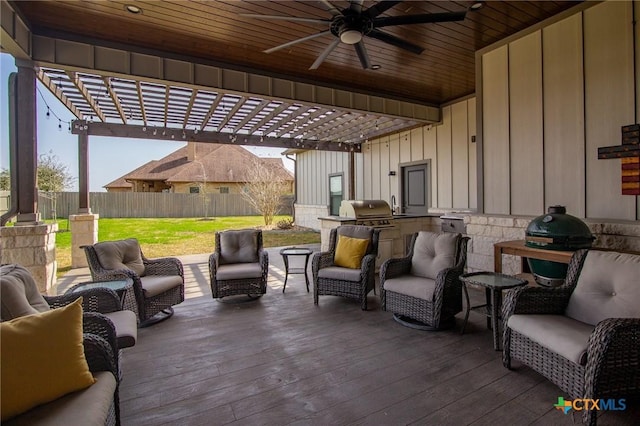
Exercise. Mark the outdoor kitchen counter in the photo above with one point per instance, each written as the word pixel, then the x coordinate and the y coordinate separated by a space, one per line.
pixel 393 240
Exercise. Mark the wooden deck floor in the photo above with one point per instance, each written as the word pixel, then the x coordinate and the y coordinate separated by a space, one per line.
pixel 281 360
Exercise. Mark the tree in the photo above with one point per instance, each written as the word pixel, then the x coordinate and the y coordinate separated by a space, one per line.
pixel 5 180
pixel 266 183
pixel 53 177
pixel 202 189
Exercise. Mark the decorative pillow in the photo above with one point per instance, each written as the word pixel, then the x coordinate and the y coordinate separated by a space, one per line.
pixel 123 254
pixel 350 251
pixel 433 252
pixel 42 359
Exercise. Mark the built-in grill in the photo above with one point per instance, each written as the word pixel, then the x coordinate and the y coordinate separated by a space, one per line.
pixel 375 213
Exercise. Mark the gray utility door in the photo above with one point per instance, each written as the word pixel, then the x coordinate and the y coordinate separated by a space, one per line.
pixel 415 188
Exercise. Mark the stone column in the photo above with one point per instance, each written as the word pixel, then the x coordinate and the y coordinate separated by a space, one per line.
pixel 84 231
pixel 34 247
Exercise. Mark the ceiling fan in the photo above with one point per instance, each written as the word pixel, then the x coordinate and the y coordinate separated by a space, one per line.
pixel 352 24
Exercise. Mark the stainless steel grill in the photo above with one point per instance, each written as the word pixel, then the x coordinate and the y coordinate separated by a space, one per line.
pixel 375 213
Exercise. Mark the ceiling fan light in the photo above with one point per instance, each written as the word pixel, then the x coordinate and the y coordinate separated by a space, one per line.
pixel 350 36
pixel 133 9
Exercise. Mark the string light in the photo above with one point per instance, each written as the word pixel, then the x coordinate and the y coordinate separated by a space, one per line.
pixel 50 112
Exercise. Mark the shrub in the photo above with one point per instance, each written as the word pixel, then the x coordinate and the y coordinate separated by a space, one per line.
pixel 285 224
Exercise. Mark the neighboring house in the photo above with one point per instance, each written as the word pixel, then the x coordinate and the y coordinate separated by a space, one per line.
pixel 197 167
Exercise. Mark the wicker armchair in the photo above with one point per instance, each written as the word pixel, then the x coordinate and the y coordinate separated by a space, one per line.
pixel 423 289
pixel 350 282
pixel 158 284
pixel 584 335
pixel 239 265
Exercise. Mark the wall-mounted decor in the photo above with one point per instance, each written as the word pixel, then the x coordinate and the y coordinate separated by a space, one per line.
pixel 629 153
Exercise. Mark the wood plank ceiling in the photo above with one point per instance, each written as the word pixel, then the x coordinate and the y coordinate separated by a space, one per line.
pixel 216 31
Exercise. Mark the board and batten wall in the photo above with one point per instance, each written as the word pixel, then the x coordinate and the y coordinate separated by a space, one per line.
pixel 448 145
pixel 313 169
pixel 548 98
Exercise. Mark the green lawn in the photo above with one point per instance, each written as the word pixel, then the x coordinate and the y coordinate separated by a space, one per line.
pixel 178 236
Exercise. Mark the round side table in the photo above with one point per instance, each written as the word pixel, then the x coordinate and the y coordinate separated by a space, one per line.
pixel 124 289
pixel 494 283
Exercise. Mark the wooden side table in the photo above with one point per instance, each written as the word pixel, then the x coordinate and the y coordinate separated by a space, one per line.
pixel 518 248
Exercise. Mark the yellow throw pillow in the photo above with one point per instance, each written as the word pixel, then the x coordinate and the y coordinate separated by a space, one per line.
pixel 42 359
pixel 350 251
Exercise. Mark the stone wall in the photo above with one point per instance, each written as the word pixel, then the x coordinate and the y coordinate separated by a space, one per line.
pixel 34 247
pixel 486 230
pixel 307 215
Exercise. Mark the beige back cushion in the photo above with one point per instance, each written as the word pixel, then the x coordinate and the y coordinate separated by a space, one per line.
pixel 608 287
pixel 433 252
pixel 239 246
pixel 19 295
pixel 356 231
pixel 120 255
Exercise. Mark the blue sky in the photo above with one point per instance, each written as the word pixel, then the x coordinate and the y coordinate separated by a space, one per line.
pixel 109 158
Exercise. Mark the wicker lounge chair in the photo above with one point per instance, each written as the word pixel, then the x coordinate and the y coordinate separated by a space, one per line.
pixel 584 336
pixel 355 281
pixel 158 284
pixel 423 289
pixel 239 265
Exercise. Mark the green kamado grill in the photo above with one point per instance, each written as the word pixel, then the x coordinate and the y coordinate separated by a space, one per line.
pixel 555 230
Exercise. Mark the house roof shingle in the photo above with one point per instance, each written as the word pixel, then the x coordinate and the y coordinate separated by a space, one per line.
pixel 220 162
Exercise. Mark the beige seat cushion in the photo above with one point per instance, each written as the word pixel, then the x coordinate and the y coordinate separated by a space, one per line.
pixel 433 252
pixel 339 273
pixel 558 333
pixel 19 293
pixel 126 325
pixel 608 287
pixel 410 285
pixel 153 285
pixel 120 255
pixel 239 246
pixel 88 407
pixel 239 271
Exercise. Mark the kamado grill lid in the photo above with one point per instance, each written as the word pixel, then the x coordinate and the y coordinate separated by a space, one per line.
pixel 558 230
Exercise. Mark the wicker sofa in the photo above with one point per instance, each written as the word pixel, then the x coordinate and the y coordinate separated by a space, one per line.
pixel 97 404
pixel 584 336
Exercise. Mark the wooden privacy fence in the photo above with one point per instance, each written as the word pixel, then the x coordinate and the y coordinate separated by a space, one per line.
pixel 153 204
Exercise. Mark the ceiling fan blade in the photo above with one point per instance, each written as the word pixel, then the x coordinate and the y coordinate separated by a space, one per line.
pixel 362 55
pixel 324 54
pixel 356 5
pixel 380 8
pixel 396 41
pixel 331 8
pixel 286 18
pixel 296 41
pixel 424 18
